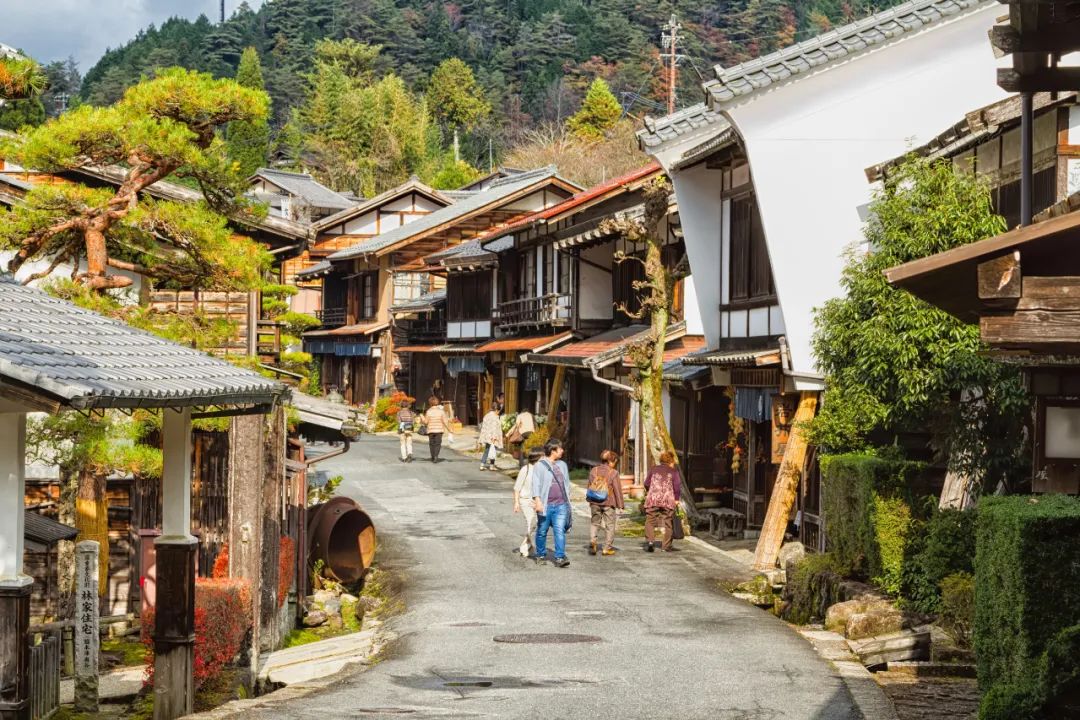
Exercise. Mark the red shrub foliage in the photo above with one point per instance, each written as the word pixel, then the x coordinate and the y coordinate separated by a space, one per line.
pixel 222 620
pixel 286 568
pixel 221 564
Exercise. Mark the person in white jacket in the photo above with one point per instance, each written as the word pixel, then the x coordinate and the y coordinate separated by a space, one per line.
pixel 523 503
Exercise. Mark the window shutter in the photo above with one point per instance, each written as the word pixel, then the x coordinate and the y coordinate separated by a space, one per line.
pixel 740 248
pixel 761 284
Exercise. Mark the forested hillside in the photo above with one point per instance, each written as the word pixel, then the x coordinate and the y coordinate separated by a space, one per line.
pixel 533 57
pixel 366 92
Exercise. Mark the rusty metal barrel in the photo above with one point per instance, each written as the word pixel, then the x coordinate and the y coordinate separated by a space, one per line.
pixel 342 535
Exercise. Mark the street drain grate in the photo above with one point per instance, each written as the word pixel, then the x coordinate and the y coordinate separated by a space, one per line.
pixel 546 638
pixel 469 683
pixel 469 624
pixel 385 711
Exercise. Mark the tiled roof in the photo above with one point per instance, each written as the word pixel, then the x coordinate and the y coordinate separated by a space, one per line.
pixel 86 360
pixel 696 120
pixel 304 186
pixel 603 349
pixel 500 190
pixel 358 329
pixel 520 344
pixel 45 531
pixel 427 301
pixel 417 348
pixel 829 47
pixel 727 358
pixel 675 350
pixel 316 270
pixel 676 371
pixel 456 348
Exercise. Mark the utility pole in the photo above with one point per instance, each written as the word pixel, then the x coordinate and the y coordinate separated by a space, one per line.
pixel 222 10
pixel 670 40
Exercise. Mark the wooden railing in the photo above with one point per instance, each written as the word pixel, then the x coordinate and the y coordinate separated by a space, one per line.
pixel 44 678
pixel 331 317
pixel 552 309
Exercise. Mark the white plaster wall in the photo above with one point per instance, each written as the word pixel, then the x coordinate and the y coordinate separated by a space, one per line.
pixel 594 288
pixel 694 324
pixel 363 225
pixel 698 192
pixel 424 204
pixel 810 141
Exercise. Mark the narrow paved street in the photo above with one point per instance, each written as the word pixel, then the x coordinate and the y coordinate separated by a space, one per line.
pixel 671 644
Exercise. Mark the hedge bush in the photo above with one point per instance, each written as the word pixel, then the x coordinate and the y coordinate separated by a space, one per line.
pixel 942 546
pixel 958 607
pixel 1051 691
pixel 222 620
pixel 857 523
pixel 1027 583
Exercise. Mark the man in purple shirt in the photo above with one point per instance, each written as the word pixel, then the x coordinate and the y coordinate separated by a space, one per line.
pixel 551 498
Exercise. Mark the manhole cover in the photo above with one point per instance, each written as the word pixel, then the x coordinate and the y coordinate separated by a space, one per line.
pixel 546 638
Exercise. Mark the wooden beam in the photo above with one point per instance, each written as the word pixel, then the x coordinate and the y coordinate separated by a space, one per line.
pixel 1062 38
pixel 1060 79
pixel 31 400
pixel 1048 288
pixel 786 487
pixel 1031 327
pixel 999 278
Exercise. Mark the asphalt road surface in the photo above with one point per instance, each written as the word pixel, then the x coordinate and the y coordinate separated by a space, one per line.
pixel 662 639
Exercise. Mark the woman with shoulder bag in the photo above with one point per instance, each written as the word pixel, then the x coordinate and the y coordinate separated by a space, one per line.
pixel 605 501
pixel 436 423
pixel 524 426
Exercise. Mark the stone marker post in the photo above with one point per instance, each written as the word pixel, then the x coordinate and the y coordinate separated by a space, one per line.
pixel 87 626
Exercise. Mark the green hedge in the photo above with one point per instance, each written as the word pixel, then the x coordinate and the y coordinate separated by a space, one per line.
pixel 867 503
pixel 940 547
pixel 1027 585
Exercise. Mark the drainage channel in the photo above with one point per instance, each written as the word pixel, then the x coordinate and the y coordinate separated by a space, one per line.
pixel 546 638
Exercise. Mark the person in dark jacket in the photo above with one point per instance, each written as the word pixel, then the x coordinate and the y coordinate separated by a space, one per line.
pixel 663 486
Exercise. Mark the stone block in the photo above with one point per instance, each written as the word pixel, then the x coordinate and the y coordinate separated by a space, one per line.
pixel 315 618
pixel 893 647
pixel 874 621
pixel 790 553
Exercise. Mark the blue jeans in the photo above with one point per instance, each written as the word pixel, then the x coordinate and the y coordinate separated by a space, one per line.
pixel 556 518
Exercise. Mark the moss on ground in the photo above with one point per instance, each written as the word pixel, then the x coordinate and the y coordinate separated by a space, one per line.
pixel 125 651
pixel 303 636
pixel 382 593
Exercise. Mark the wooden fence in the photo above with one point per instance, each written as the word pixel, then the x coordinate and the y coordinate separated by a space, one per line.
pixel 44 678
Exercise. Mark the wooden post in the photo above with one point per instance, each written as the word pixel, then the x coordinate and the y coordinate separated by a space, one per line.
pixel 14 585
pixel 174 621
pixel 246 473
pixel 556 393
pixel 786 487
pixel 87 628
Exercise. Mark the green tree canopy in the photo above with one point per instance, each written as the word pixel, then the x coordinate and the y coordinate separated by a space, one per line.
pixel 599 112
pixel 358 133
pixel 162 127
pixel 248 140
pixel 20 77
pixel 453 96
pixel 894 364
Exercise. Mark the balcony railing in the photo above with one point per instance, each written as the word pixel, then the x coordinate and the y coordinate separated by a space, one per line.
pixel 553 309
pixel 331 317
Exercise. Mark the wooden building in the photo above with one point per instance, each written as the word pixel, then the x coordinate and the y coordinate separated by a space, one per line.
pixel 388 270
pixel 1023 289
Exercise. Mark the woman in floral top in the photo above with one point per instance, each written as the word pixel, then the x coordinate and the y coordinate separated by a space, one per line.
pixel 664 487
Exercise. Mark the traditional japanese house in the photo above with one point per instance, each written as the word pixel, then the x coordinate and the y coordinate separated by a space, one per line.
pixel 296 196
pixel 399 254
pixel 987 142
pixel 1021 288
pixel 564 312
pixel 825 108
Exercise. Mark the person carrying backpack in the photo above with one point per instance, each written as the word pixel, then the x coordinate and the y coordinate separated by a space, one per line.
pixel 605 501
pixel 406 423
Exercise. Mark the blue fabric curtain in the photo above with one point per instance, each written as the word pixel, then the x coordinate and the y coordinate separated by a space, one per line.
pixel 754 404
pixel 456 364
pixel 352 349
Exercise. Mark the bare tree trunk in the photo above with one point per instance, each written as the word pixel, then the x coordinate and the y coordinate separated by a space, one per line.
pixel 92 519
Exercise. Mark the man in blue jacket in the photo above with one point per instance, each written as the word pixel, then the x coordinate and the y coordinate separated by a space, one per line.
pixel 551 498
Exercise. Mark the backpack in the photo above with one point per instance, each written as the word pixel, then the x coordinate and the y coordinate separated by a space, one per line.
pixel 598 486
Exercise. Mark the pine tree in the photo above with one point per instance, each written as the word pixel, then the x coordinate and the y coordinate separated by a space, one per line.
pixel 248 140
pixel 455 99
pixel 598 114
